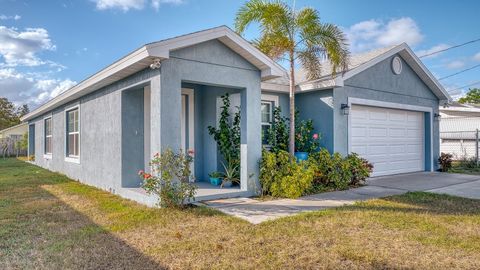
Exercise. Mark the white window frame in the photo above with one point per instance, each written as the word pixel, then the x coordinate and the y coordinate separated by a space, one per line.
pixel 47 155
pixel 68 158
pixel 273 100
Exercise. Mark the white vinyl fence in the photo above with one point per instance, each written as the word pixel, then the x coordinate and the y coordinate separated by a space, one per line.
pixel 459 136
pixel 9 146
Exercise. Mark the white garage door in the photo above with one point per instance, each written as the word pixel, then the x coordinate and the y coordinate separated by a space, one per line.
pixel 393 140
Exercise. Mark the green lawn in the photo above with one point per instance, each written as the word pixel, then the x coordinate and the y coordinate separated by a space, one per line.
pixel 50 222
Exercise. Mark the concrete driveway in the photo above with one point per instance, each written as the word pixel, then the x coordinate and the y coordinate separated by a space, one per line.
pixel 256 211
pixel 462 185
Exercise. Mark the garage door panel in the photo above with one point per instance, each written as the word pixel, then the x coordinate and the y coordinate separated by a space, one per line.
pixel 397 132
pixel 393 140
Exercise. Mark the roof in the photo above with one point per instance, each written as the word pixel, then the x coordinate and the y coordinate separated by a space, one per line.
pixel 144 56
pixel 357 64
pixel 14 127
pixel 456 106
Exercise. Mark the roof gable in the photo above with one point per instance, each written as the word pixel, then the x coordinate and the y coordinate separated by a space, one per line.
pixel 143 57
pixel 413 61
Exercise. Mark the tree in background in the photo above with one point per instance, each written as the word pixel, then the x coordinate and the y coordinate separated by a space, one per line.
pixel 9 114
pixel 291 35
pixel 472 96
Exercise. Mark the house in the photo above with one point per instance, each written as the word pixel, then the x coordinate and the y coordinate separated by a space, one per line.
pixel 165 95
pixel 458 130
pixel 15 132
pixel 9 139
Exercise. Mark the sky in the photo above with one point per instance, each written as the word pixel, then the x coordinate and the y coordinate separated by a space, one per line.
pixel 46 47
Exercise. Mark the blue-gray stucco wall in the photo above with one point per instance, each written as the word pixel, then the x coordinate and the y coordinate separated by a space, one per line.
pixel 210 64
pixel 318 106
pixel 100 162
pixel 381 84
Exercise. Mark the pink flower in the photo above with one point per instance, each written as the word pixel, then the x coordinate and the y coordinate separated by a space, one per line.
pixel 315 136
pixel 141 172
pixel 191 152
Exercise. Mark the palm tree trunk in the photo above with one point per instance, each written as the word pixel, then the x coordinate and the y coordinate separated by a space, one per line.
pixel 291 146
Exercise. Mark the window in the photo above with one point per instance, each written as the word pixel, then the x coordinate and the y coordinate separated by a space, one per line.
pixel 267 118
pixel 48 136
pixel 73 133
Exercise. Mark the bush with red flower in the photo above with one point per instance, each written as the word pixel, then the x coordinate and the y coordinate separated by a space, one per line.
pixel 306 139
pixel 170 178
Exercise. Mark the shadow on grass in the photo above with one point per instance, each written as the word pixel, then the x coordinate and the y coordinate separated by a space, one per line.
pixel 35 221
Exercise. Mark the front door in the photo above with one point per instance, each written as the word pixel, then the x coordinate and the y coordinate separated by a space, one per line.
pixel 187 123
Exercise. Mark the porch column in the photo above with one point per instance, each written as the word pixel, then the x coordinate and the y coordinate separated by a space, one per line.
pixel 155 115
pixel 251 144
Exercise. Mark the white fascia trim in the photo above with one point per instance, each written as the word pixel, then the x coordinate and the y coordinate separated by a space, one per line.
pixel 75 91
pixel 390 105
pixel 274 87
pixel 417 61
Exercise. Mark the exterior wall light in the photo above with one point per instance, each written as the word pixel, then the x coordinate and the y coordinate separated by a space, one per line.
pixel 345 109
pixel 156 64
pixel 437 116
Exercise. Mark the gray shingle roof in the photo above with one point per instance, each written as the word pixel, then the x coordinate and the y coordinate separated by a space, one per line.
pixel 356 60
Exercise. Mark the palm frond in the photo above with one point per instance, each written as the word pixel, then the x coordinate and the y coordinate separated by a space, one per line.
pixel 310 59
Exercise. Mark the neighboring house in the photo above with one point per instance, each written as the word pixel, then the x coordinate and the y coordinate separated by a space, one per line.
pixel 458 129
pixel 15 132
pixel 9 139
pixel 166 94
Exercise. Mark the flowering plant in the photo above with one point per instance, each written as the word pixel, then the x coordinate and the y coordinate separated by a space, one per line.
pixel 306 139
pixel 170 178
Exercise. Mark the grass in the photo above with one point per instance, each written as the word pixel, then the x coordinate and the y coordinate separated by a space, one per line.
pixel 50 222
pixel 467 167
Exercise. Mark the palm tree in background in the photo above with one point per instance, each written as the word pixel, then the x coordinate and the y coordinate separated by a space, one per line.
pixel 291 35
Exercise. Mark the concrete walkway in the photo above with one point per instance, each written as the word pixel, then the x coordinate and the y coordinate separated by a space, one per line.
pixel 256 211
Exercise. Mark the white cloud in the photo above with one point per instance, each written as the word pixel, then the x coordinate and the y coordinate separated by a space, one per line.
pixel 21 47
pixel 6 17
pixel 455 64
pixel 476 57
pixel 157 3
pixel 433 49
pixel 126 5
pixel 371 34
pixel 22 88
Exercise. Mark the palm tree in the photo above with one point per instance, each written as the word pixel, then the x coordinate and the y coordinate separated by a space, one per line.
pixel 288 34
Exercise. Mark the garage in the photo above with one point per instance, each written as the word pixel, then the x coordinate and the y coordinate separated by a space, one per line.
pixel 392 139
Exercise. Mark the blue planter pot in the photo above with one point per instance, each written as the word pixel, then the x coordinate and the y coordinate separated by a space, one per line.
pixel 215 181
pixel 300 156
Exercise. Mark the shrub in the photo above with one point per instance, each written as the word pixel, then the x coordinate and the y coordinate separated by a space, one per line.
pixel 277 135
pixel 360 168
pixel 445 161
pixel 170 179
pixel 282 176
pixel 336 172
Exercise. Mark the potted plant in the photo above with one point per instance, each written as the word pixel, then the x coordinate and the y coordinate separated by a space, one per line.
pixel 306 144
pixel 215 178
pixel 231 174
